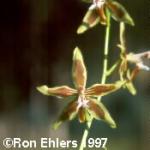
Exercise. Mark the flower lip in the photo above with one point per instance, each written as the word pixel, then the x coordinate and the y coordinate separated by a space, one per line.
pixel 139 59
pixel 82 102
pixel 143 67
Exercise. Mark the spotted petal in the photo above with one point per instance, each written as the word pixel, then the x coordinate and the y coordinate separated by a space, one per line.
pixel 102 15
pixel 69 113
pixel 61 91
pixel 99 111
pixel 79 70
pixel 103 89
pixel 82 114
pixel 90 19
pixel 119 13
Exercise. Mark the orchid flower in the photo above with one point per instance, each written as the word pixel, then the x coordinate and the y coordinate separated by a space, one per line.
pixel 84 103
pixel 97 13
pixel 127 74
pixel 138 60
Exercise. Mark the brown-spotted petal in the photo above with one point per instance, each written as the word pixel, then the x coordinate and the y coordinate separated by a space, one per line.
pixel 102 15
pixel 82 115
pixel 79 70
pixel 119 13
pixel 61 91
pixel 90 19
pixel 99 112
pixel 69 113
pixel 103 89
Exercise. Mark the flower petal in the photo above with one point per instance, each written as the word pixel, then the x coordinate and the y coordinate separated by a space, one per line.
pixel 103 89
pixel 99 112
pixel 131 88
pixel 119 13
pixel 90 19
pixel 102 15
pixel 143 67
pixel 82 115
pixel 79 70
pixel 93 6
pixel 61 91
pixel 131 76
pixel 69 113
pixel 138 59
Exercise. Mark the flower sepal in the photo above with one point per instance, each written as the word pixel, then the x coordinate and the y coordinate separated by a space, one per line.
pixel 119 13
pixel 99 112
pixel 60 91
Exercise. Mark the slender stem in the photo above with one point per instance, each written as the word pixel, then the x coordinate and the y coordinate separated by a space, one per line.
pixel 106 50
pixel 122 37
pixel 103 80
pixel 122 46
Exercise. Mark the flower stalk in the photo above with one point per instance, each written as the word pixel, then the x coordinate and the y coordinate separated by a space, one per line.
pixel 104 77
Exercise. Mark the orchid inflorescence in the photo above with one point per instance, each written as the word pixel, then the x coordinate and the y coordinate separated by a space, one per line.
pixel 85 103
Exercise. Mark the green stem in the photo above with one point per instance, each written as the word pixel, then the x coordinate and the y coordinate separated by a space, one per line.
pixel 103 80
pixel 122 38
pixel 122 47
pixel 106 50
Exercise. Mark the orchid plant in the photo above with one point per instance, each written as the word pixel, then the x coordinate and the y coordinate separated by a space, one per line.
pixel 86 102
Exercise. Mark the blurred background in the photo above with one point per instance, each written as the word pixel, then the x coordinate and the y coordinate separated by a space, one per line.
pixel 37 38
